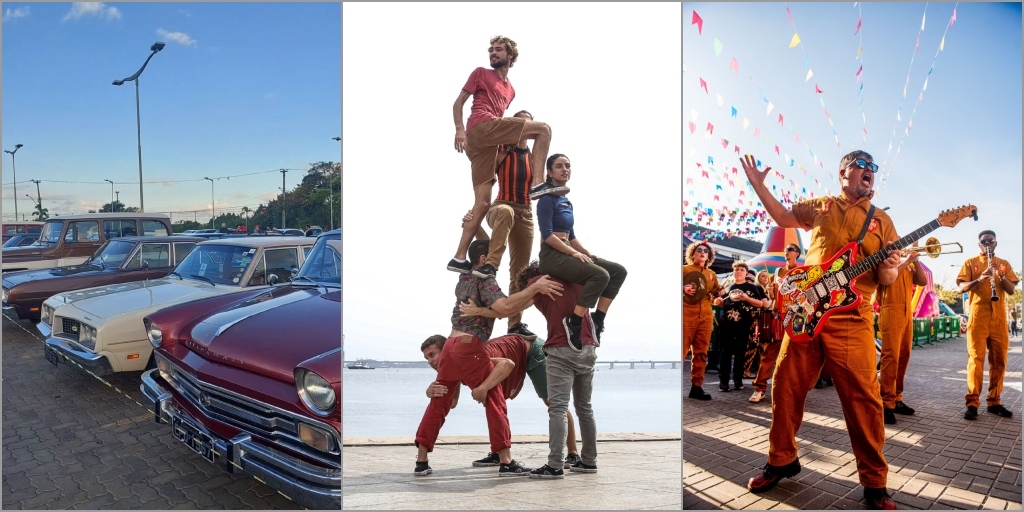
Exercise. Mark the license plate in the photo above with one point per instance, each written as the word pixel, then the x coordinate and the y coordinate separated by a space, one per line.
pixel 186 432
pixel 50 355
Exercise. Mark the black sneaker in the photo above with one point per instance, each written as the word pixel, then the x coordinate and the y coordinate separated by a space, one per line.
pixel 546 471
pixel 423 468
pixel 462 267
pixel 1000 410
pixel 571 459
pixel 485 271
pixel 597 328
pixel 888 416
pixel 902 408
pixel 574 334
pixel 972 413
pixel 514 468
pixel 521 331
pixel 490 460
pixel 820 384
pixel 580 467
pixel 546 188
pixel 724 388
pixel 698 393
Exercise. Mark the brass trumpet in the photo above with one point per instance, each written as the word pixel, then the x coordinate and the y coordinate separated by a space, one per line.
pixel 933 248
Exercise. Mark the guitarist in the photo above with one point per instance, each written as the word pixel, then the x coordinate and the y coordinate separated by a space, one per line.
pixel 986 325
pixel 846 343
pixel 697 314
pixel 896 321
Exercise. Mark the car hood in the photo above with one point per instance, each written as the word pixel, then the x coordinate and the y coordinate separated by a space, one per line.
pixel 271 333
pixel 107 301
pixel 15 278
pixel 17 253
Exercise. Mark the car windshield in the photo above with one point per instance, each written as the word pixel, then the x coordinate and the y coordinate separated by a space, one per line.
pixel 51 232
pixel 112 253
pixel 218 264
pixel 323 265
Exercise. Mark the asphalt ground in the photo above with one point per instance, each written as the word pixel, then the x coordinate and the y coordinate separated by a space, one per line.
pixel 937 459
pixel 71 441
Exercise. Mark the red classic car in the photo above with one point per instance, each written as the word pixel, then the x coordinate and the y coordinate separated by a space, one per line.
pixel 252 380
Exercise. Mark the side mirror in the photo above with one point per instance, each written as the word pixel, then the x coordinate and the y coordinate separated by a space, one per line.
pixel 272 279
pixel 145 264
pixel 295 272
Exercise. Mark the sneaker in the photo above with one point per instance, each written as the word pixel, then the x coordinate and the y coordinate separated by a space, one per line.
pixel 902 408
pixel 423 468
pixel 462 267
pixel 546 471
pixel 597 328
pixel 738 386
pixel 1000 410
pixel 972 413
pixel 521 331
pixel 757 396
pixel 484 272
pixel 546 188
pixel 698 393
pixel 724 388
pixel 828 382
pixel 878 499
pixel 514 468
pixel 887 414
pixel 490 460
pixel 574 334
pixel 580 467
pixel 571 459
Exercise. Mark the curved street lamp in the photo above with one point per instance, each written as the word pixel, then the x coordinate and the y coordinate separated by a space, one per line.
pixel 15 170
pixel 157 46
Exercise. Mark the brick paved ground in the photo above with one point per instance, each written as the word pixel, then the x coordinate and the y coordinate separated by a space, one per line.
pixel 69 441
pixel 937 460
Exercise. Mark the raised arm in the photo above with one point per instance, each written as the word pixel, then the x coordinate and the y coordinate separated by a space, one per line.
pixel 782 216
pixel 521 300
pixel 460 128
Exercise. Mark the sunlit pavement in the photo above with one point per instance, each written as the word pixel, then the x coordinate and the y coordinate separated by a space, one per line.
pixel 937 459
pixel 635 472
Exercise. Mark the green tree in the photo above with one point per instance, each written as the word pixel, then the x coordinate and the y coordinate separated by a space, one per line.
pixel 40 214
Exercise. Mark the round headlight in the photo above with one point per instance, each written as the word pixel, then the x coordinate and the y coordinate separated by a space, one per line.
pixel 317 392
pixel 5 296
pixel 155 335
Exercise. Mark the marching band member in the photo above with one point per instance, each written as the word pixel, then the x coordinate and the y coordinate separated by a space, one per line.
pixel 739 307
pixel 771 350
pixel 896 321
pixel 697 314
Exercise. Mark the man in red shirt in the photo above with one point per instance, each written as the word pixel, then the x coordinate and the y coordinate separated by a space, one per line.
pixel 487 131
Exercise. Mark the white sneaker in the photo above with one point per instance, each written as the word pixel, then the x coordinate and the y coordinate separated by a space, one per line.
pixel 757 396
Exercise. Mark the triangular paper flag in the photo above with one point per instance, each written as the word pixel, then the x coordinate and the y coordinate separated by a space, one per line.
pixel 718 98
pixel 817 89
pixel 951 20
pixel 922 20
pixel 770 107
pixel 734 66
pixel 704 85
pixel 780 120
pixel 788 15
pixel 859 48
pixel 695 20
pixel 718 47
pixel 746 123
pixel 756 132
pixel 942 44
pixel 858 27
pixel 733 111
pixel 725 144
pixel 795 41
pixel 711 129
pixel 810 73
pixel 925 88
pixel 693 127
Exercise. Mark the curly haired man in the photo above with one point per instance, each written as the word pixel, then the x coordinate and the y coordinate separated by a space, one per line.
pixel 700 285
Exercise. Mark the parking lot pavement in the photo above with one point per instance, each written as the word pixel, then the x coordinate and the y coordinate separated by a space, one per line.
pixel 72 442
pixel 936 458
pixel 635 472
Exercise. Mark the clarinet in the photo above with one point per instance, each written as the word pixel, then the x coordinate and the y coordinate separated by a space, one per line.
pixel 992 278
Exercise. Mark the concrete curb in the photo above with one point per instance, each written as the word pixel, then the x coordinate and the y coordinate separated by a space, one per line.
pixel 523 439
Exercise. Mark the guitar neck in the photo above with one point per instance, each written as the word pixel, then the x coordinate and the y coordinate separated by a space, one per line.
pixel 876 258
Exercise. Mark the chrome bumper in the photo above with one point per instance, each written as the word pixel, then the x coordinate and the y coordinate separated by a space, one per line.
pixel 310 486
pixel 65 350
pixel 43 329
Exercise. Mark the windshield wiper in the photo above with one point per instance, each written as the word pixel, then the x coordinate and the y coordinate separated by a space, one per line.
pixel 176 274
pixel 204 278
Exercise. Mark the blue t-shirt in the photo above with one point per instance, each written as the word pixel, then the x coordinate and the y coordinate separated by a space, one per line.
pixel 554 213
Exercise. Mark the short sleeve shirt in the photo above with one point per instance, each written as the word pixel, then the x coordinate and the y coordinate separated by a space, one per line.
pixel 554 310
pixel 484 292
pixel 981 304
pixel 740 311
pixel 491 96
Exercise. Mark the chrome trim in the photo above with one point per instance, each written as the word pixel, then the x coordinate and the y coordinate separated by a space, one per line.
pixel 300 388
pixel 75 350
pixel 44 329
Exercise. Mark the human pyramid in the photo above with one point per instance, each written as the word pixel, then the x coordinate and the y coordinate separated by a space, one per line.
pixel 564 284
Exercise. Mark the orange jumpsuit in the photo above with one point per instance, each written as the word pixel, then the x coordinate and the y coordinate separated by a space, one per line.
pixel 986 329
pixel 845 345
pixel 771 349
pixel 897 326
pixel 697 323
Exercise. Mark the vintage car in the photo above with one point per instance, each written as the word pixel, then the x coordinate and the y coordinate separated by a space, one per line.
pixel 71 239
pixel 239 384
pixel 21 240
pixel 101 329
pixel 120 260
pixel 10 229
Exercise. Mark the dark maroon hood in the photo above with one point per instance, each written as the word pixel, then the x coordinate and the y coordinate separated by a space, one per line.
pixel 22 276
pixel 272 332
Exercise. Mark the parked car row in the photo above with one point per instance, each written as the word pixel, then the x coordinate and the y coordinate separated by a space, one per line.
pixel 214 323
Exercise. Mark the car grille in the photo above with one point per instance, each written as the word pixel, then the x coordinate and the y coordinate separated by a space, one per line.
pixel 71 328
pixel 250 415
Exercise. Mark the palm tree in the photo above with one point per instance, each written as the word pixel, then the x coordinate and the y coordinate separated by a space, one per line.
pixel 245 211
pixel 41 213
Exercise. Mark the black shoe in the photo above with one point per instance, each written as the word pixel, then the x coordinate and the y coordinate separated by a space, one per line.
pixel 820 384
pixel 575 335
pixel 828 382
pixel 597 328
pixel 878 499
pixel 545 188
pixel 1000 410
pixel 514 468
pixel 771 475
pixel 462 267
pixel 521 331
pixel 698 393
pixel 490 460
pixel 580 467
pixel 890 418
pixel 546 471
pixel 485 271
pixel 724 388
pixel 972 413
pixel 571 459
pixel 423 468
pixel 902 408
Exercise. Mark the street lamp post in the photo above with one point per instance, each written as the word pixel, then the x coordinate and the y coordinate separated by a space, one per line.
pixel 157 46
pixel 118 196
pixel 213 207
pixel 14 169
pixel 111 194
pixel 283 207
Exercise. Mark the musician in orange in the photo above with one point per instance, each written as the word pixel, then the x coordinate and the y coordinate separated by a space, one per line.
pixel 845 344
pixel 896 321
pixel 986 325
pixel 700 285
pixel 771 350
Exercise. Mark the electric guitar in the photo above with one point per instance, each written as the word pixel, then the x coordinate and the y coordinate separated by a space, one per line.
pixel 810 294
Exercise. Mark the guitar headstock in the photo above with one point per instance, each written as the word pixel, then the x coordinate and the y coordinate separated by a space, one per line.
pixel 953 216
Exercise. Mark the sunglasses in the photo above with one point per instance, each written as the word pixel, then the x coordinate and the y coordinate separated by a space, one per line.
pixel 704 250
pixel 987 241
pixel 864 164
pixel 792 249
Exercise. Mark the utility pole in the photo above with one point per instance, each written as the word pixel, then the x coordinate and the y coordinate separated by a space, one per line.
pixel 283 172
pixel 39 199
pixel 213 207
pixel 118 196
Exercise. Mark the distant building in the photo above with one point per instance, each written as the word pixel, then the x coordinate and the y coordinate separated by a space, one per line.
pixel 727 249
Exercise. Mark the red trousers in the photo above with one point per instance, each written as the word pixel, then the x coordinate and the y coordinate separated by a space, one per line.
pixel 465 362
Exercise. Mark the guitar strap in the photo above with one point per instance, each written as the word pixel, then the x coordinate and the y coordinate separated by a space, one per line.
pixel 867 222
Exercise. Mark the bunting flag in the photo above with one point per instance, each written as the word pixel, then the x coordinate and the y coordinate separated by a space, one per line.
pixel 718 47
pixel 704 85
pixel 953 19
pixel 817 89
pixel 734 66
pixel 922 20
pixel 695 20
pixel 854 30
pixel 788 15
pixel 693 127
pixel 942 44
pixel 746 123
pixel 718 98
pixel 859 49
pixel 776 149
pixel 859 71
pixel 733 111
pixel 780 119
pixel 711 129
pixel 810 73
pixel 795 41
pixel 737 148
pixel 725 143
pixel 756 133
pixel 770 107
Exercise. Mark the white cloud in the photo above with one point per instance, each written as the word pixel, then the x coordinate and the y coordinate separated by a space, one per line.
pixel 20 12
pixel 178 37
pixel 99 9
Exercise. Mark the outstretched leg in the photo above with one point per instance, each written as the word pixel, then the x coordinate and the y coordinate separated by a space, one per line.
pixel 481 203
pixel 541 135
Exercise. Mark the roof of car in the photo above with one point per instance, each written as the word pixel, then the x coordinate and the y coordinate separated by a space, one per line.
pixel 109 215
pixel 154 238
pixel 261 241
pixel 336 231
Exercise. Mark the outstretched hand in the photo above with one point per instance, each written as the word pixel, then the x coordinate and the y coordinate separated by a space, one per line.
pixel 755 176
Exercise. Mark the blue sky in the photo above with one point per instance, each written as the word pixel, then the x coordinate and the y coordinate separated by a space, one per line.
pixel 965 142
pixel 240 88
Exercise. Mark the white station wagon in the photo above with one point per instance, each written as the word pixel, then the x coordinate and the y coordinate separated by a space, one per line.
pixel 101 328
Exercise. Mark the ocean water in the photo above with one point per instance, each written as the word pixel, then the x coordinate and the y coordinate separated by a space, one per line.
pixel 391 402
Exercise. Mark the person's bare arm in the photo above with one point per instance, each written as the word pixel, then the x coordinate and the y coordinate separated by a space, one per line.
pixel 470 308
pixel 460 129
pixel 576 244
pixel 920 278
pixel 782 216
pixel 502 368
pixel 521 300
